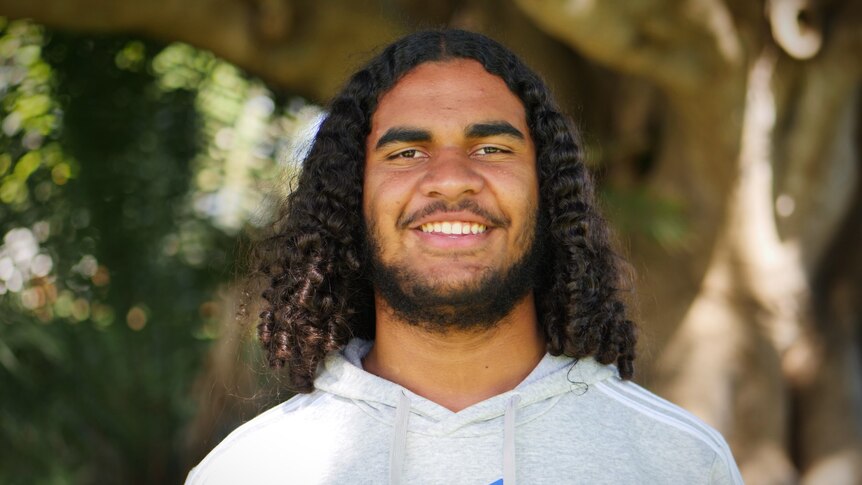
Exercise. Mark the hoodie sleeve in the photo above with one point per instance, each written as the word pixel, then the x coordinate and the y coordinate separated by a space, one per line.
pixel 723 473
pixel 191 478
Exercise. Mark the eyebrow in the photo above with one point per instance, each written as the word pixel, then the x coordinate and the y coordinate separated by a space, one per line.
pixel 402 134
pixel 493 128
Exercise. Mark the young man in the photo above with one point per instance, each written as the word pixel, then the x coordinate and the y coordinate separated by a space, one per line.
pixel 444 297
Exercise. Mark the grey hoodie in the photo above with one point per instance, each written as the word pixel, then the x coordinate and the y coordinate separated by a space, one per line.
pixel 567 422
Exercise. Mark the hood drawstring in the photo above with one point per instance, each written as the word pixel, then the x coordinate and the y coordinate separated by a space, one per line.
pixel 509 441
pixel 399 440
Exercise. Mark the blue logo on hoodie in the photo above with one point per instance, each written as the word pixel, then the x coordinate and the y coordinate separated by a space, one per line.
pixel 498 482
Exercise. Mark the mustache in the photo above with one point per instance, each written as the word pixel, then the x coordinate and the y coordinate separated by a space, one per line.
pixel 465 205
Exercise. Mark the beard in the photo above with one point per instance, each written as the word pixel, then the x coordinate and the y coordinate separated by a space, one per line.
pixel 475 306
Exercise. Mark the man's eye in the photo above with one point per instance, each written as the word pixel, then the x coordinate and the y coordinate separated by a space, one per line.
pixel 491 150
pixel 405 154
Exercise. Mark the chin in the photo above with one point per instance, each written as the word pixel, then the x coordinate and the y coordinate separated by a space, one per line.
pixel 446 285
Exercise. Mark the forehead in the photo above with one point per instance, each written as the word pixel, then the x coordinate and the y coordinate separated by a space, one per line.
pixel 453 91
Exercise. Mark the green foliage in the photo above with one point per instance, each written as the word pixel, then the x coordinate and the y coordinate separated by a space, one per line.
pixel 127 169
pixel 637 213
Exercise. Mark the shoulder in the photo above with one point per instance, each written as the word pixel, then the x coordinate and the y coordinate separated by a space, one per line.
pixel 253 448
pixel 669 428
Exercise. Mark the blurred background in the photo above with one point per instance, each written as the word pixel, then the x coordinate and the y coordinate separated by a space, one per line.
pixel 143 145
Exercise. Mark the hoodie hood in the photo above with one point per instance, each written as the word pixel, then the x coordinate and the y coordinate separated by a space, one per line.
pixel 568 418
pixel 407 412
pixel 342 375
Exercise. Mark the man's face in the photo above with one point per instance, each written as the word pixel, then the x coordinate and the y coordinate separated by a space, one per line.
pixel 450 194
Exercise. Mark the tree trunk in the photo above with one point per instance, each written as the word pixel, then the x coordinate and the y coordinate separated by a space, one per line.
pixel 732 316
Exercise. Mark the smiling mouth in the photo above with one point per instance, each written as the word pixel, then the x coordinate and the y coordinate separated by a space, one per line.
pixel 453 227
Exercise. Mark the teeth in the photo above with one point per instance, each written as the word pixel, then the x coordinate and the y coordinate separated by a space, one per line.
pixel 454 227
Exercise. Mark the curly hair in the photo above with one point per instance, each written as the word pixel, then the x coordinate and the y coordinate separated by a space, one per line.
pixel 319 292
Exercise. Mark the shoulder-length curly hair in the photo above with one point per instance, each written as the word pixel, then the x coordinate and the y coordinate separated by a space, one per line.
pixel 319 293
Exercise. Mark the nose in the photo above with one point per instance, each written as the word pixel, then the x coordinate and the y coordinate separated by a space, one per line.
pixel 450 176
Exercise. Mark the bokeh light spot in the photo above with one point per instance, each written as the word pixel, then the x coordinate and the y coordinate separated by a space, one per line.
pixel 136 319
pixel 101 277
pixel 80 309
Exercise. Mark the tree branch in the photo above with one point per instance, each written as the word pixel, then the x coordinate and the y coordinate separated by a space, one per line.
pixel 676 45
pixel 291 44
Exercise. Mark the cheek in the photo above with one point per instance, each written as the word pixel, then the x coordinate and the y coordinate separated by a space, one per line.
pixel 381 209
pixel 371 191
pixel 367 204
pixel 516 189
pixel 385 196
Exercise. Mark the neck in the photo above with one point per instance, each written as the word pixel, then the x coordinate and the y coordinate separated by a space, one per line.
pixel 456 369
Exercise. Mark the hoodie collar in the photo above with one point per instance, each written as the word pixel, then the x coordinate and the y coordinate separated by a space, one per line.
pixel 342 375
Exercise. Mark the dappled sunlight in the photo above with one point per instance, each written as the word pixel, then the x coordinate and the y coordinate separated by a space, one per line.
pixel 116 237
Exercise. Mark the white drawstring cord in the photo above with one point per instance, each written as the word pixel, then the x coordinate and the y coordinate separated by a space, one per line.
pixel 399 440
pixel 509 441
